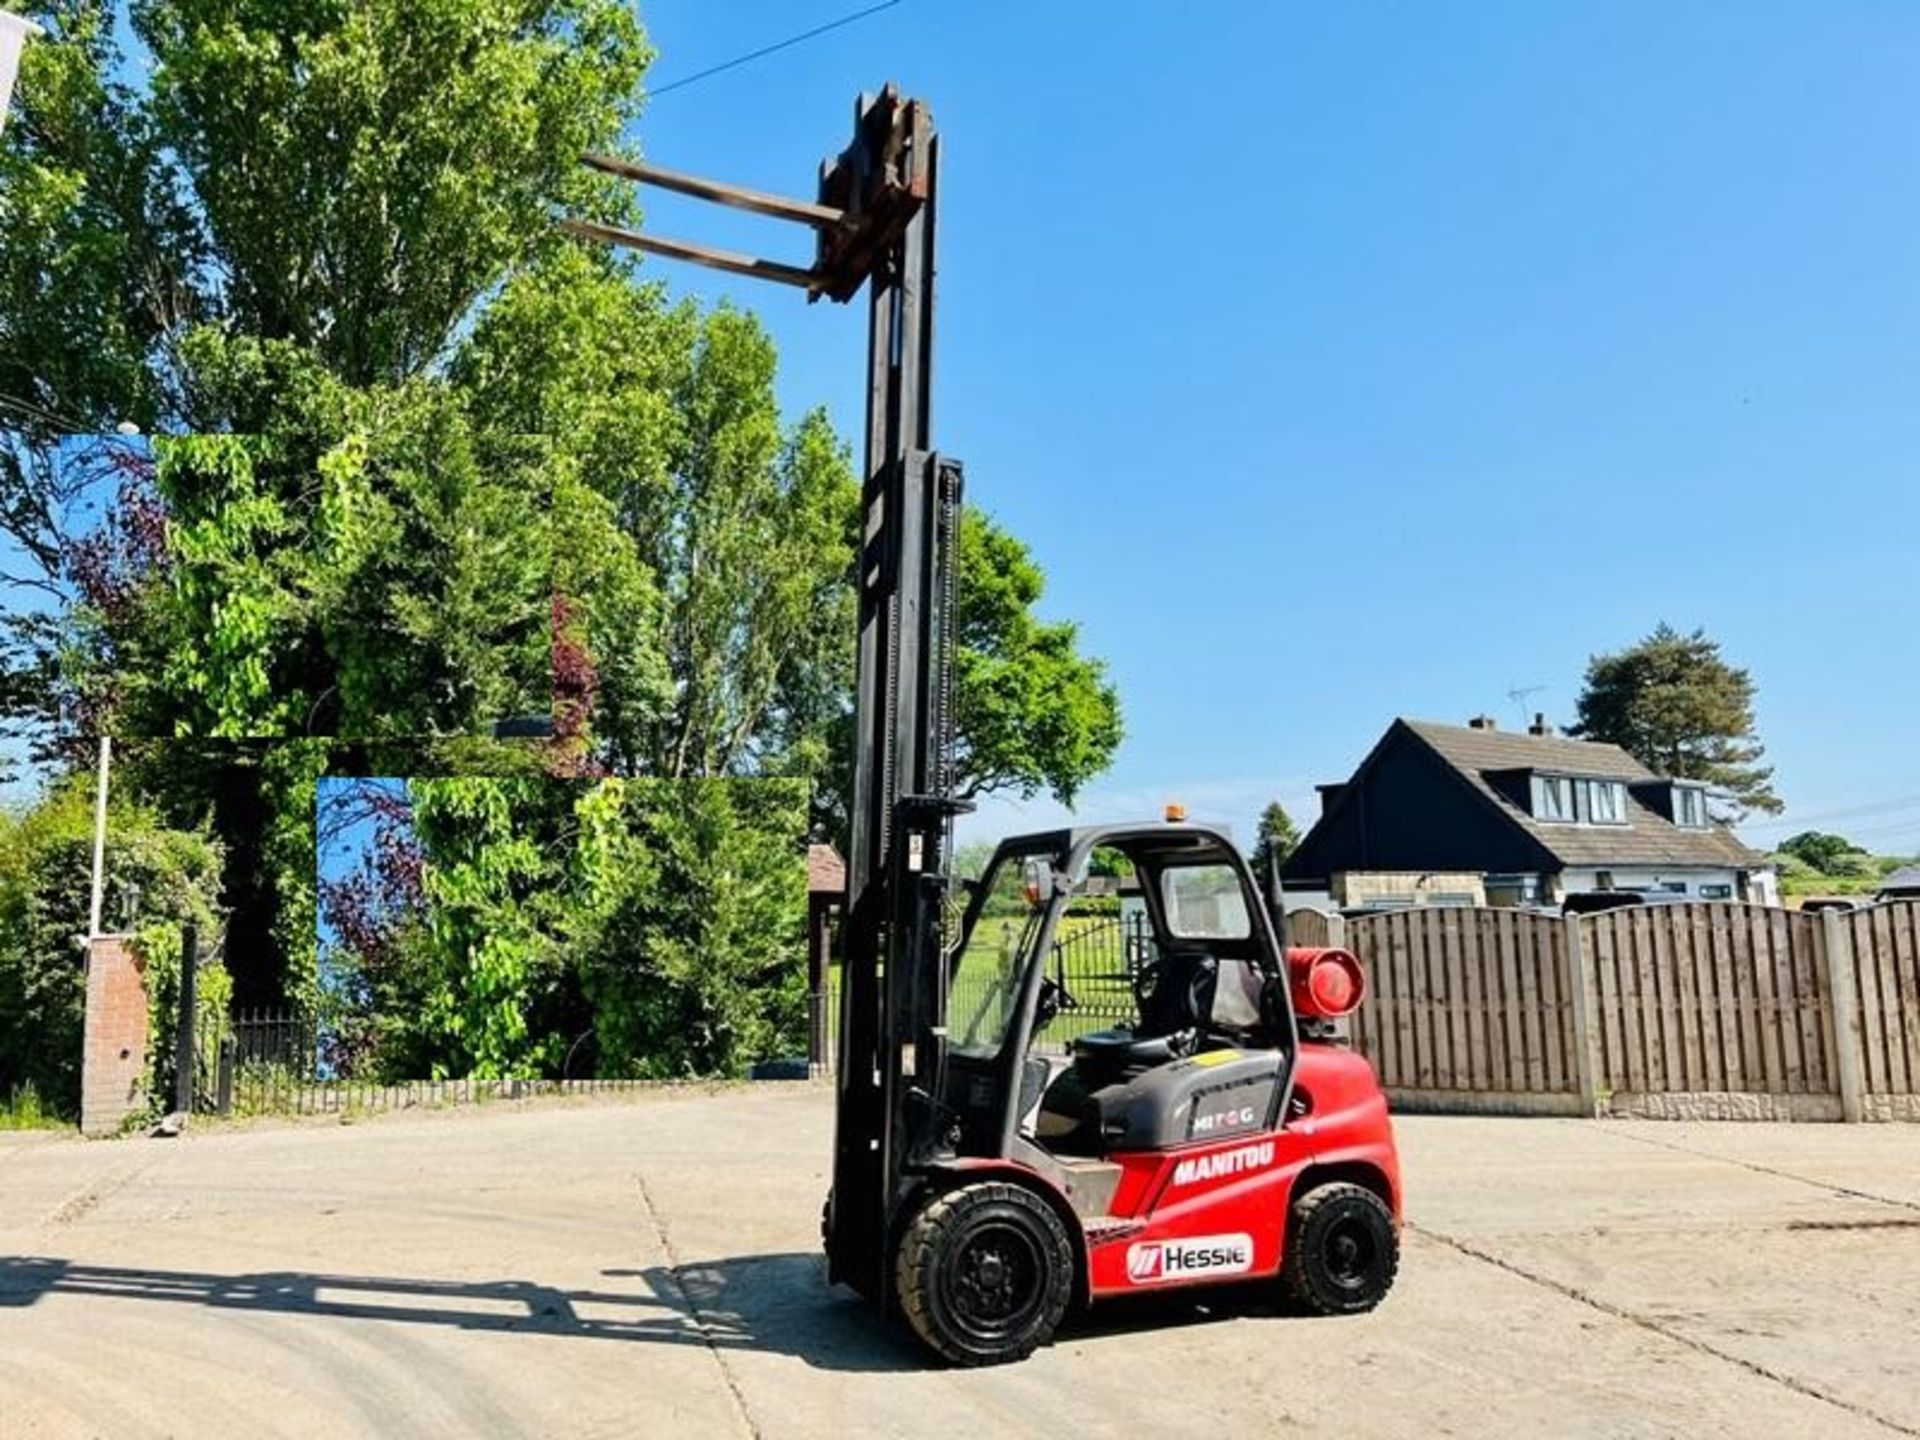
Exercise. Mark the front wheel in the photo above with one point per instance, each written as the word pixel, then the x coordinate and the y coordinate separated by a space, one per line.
pixel 1342 1250
pixel 984 1273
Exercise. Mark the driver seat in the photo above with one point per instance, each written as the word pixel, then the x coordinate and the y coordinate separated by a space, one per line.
pixel 1171 1021
pixel 1148 1088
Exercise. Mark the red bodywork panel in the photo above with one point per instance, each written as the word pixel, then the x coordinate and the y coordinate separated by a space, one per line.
pixel 1216 1211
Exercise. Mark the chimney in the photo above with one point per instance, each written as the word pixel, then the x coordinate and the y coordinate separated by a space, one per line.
pixel 1539 726
pixel 1483 722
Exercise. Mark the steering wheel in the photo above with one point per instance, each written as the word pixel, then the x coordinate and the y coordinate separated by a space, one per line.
pixel 1054 998
pixel 1146 983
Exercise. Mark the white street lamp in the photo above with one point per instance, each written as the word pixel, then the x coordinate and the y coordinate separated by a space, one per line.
pixel 14 31
pixel 99 840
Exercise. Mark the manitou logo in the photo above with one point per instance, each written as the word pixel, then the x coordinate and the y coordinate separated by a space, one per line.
pixel 1226 1162
pixel 1152 1261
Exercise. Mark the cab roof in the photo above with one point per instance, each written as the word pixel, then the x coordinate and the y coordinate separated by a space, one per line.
pixel 1155 835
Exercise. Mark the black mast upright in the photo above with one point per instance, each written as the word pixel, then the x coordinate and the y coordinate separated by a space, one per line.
pixel 893 983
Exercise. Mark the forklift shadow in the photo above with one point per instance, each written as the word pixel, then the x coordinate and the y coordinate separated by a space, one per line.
pixel 777 1304
pixel 1173 1310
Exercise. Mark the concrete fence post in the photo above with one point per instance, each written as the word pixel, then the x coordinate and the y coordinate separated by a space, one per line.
pixel 1585 1000
pixel 1843 1008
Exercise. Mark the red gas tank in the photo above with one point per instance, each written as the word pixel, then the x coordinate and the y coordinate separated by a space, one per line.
pixel 1327 984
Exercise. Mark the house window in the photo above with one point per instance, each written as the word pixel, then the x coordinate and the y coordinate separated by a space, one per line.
pixel 1606 802
pixel 1689 807
pixel 1552 797
pixel 1716 892
pixel 1509 890
pixel 1673 887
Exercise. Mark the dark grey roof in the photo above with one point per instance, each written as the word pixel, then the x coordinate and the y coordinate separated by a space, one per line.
pixel 1905 878
pixel 1647 838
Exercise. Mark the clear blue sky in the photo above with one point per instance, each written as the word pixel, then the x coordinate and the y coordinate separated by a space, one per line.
pixel 1343 362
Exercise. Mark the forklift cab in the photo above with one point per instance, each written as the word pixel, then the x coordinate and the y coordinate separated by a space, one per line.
pixel 1206 1053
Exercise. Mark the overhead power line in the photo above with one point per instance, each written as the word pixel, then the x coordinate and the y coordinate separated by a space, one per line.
pixel 41 414
pixel 766 50
pixel 1792 822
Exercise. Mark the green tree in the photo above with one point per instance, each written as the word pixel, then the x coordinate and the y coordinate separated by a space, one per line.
pixel 1829 854
pixel 749 529
pixel 279 233
pixel 96 271
pixel 1674 704
pixel 1276 837
pixel 969 861
pixel 426 448
pixel 1031 712
pixel 691 931
pixel 1819 849
pixel 366 171
pixel 729 535
pixel 619 927
pixel 493 957
pixel 374 578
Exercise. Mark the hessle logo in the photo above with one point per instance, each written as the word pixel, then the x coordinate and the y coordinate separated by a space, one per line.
pixel 1226 1162
pixel 1155 1260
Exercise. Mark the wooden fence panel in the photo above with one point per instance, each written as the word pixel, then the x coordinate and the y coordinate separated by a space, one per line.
pixel 1474 1001
pixel 1886 963
pixel 1309 928
pixel 1903 926
pixel 1704 999
pixel 1874 1014
pixel 1815 1010
pixel 1514 1075
pixel 1712 998
pixel 1710 1016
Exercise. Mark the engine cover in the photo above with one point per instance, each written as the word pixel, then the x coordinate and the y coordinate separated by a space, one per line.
pixel 1209 1096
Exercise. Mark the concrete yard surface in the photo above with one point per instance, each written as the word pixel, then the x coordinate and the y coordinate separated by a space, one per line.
pixel 650 1266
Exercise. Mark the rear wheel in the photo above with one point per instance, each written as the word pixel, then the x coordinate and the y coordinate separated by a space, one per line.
pixel 1342 1250
pixel 984 1273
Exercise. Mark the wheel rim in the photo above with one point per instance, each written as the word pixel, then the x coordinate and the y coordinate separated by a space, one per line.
pixel 992 1287
pixel 1351 1252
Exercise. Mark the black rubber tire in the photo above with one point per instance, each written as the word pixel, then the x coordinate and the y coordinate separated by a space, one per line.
pixel 1343 1250
pixel 984 1273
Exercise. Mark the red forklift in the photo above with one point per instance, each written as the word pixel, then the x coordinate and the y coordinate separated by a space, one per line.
pixel 1225 1136
pixel 985 1179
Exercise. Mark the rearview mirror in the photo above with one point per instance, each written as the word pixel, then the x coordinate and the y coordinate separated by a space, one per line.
pixel 1037 876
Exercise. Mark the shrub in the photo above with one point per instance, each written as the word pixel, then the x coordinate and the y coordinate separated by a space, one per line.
pixel 46 860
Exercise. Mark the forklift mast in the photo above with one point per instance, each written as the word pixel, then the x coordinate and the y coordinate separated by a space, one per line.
pixel 893 1002
pixel 874 223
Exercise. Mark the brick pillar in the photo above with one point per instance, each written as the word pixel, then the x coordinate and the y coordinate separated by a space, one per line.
pixel 113 1057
